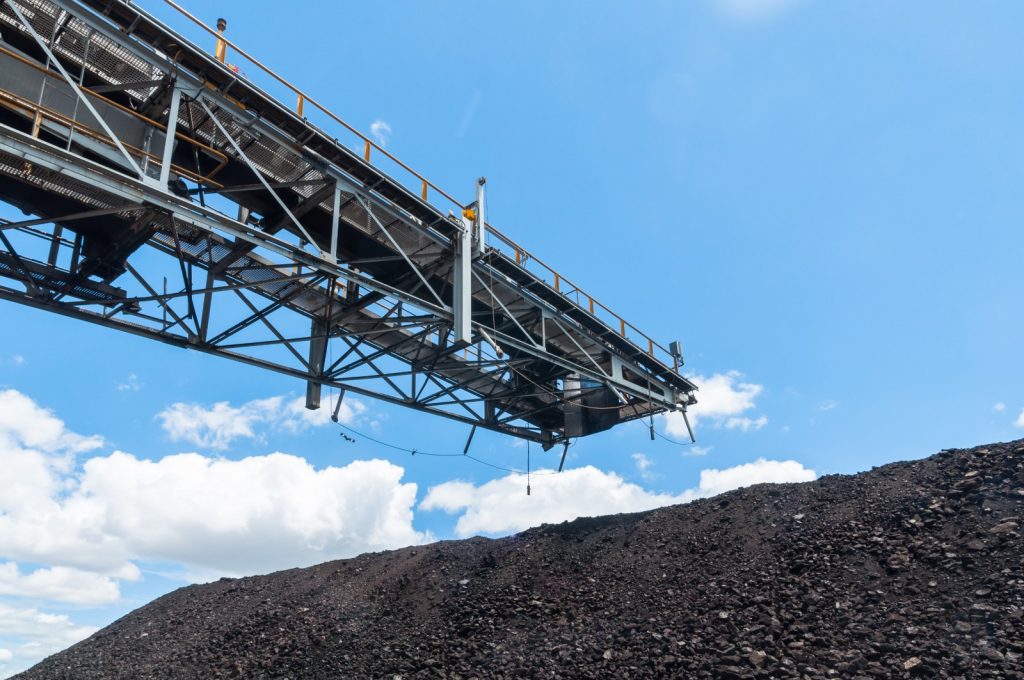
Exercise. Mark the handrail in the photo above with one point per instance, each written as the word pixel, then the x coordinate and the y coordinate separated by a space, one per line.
pixel 521 254
pixel 309 100
pixel 222 158
pixel 11 101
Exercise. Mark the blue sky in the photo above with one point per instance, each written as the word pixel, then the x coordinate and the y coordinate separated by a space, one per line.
pixel 819 199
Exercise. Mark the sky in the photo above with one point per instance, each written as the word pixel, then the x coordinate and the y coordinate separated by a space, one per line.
pixel 820 200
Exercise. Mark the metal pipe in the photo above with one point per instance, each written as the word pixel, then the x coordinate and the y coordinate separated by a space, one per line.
pixel 487 336
pixel 686 419
pixel 110 102
pixel 221 51
pixel 77 90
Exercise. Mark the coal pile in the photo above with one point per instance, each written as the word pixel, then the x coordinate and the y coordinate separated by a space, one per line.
pixel 912 570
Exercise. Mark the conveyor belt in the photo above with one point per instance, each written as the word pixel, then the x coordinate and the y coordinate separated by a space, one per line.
pixel 539 363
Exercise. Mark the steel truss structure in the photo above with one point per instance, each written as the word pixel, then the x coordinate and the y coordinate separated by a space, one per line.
pixel 170 197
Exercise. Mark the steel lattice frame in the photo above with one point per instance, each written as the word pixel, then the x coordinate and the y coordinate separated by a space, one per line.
pixel 331 272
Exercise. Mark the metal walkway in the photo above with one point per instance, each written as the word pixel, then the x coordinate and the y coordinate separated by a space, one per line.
pixel 173 198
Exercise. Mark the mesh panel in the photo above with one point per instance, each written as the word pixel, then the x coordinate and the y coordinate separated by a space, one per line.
pixel 106 59
pixel 53 182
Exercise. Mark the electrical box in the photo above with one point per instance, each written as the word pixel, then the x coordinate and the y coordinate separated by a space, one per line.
pixel 675 348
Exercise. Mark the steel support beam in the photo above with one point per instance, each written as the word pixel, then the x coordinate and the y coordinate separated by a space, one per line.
pixel 406 336
pixel 462 301
pixel 172 128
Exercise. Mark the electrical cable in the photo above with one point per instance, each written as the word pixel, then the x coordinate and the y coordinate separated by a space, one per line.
pixel 417 452
pixel 673 441
pixel 527 467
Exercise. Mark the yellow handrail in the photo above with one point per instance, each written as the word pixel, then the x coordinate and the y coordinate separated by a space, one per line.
pixel 309 99
pixel 521 254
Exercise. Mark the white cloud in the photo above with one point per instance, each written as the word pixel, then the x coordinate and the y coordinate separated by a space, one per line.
pixel 697 450
pixel 643 466
pixel 295 417
pixel 642 461
pixel 235 517
pixel 18 360
pixel 1020 419
pixel 217 426
pixel 381 131
pixel 256 514
pixel 761 471
pixel 253 514
pixel 62 584
pixel 87 523
pixel 828 405
pixel 746 424
pixel 752 10
pixel 24 423
pixel 130 385
pixel 999 407
pixel 35 635
pixel 721 399
pixel 502 506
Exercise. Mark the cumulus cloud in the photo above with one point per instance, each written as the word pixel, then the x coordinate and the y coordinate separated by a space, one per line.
pixel 745 424
pixel 34 634
pixel 24 423
pixel 761 471
pixel 643 466
pixel 218 425
pixel 1020 419
pixel 256 514
pixel 999 407
pixel 381 131
pixel 61 584
pixel 722 399
pixel 828 405
pixel 502 506
pixel 87 523
pixel 234 517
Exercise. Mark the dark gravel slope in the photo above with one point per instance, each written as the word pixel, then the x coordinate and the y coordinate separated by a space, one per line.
pixel 909 570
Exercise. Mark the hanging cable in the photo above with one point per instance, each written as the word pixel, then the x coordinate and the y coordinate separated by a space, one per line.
pixel 527 468
pixel 673 441
pixel 417 452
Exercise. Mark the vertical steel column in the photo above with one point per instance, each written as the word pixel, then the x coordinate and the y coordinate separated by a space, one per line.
pixel 172 128
pixel 317 354
pixel 335 219
pixel 481 220
pixel 77 90
pixel 463 288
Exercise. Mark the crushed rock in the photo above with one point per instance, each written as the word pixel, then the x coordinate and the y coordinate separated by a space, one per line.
pixel 909 570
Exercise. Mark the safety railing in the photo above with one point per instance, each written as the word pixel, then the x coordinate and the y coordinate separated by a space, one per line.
pixel 425 188
pixel 40 113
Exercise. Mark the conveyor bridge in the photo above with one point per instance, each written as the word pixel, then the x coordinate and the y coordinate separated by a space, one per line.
pixel 167 195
